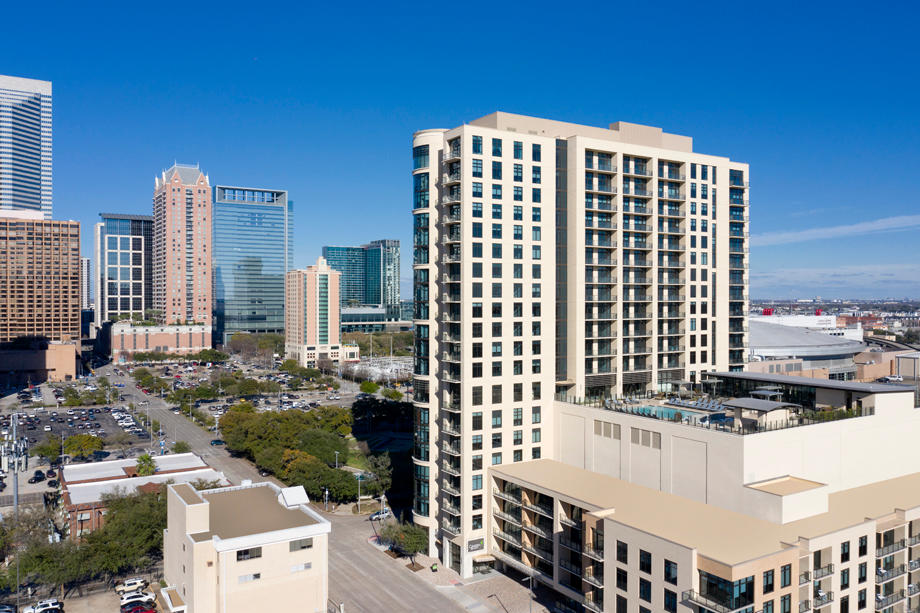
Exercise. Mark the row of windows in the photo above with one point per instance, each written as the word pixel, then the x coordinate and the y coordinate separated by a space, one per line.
pixel 536 174
pixel 517 231
pixel 518 211
pixel 535 151
pixel 536 194
pixel 517 251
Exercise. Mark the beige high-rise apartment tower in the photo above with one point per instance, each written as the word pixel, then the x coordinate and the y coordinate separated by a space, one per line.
pixel 182 246
pixel 311 314
pixel 556 258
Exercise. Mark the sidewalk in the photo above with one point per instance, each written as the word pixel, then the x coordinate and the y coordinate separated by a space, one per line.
pixel 491 592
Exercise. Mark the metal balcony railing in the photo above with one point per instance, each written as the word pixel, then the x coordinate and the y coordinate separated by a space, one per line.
pixel 509 496
pixel 883 576
pixel 887 550
pixel 883 602
pixel 514 540
pixel 821 600
pixel 545 533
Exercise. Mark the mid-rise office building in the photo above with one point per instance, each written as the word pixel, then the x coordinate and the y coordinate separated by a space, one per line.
pixel 124 268
pixel 39 277
pixel 86 283
pixel 253 249
pixel 552 257
pixel 182 253
pixel 252 547
pixel 25 145
pixel 370 273
pixel 311 315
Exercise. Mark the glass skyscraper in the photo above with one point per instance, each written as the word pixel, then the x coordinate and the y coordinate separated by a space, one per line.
pixel 124 267
pixel 370 273
pixel 25 145
pixel 253 248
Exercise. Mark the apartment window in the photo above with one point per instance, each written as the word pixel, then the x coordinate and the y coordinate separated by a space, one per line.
pixel 518 455
pixel 861 573
pixel 477 250
pixel 785 604
pixel 477 144
pixel 496 250
pixel 670 601
pixel 536 367
pixel 496 211
pixel 477 462
pixel 496 458
pixel 248 554
pixel 861 600
pixel 622 552
pixel 477 502
pixel 496 352
pixel 535 194
pixel 785 575
pixel 477 441
pixel 518 212
pixel 250 577
pixel 518 233
pixel 497 419
pixel 497 170
pixel 768 581
pixel 768 606
pixel 518 172
pixel 496 191
pixel 845 604
pixel 477 309
pixel 536 153
pixel 536 252
pixel 518 413
pixel 301 544
pixel 535 438
pixel 496 439
pixel 518 150
pixel 477 168
pixel 477 189
pixel 477 370
pixel 518 437
pixel 477 417
pixel 645 561
pixel 844 578
pixel 535 413
pixel 845 551
pixel 622 580
pixel 535 393
pixel 863 545
pixel 477 522
pixel 496 390
pixel 496 146
pixel 535 453
pixel 670 568
pixel 535 233
pixel 518 194
pixel 535 177
pixel 420 157
pixel 477 482
pixel 645 590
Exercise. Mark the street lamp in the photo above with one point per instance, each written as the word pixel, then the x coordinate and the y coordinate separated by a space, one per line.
pixel 336 459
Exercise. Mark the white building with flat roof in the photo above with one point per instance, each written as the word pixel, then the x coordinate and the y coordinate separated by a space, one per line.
pixel 253 547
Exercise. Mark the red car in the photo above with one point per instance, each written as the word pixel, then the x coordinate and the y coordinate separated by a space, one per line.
pixel 138 607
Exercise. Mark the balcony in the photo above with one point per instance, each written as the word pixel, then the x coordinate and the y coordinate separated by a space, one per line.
pixel 593 552
pixel 672 176
pixel 913 565
pixel 451 470
pixel 883 602
pixel 450 198
pixel 448 178
pixel 570 544
pixel 450 528
pixel 913 588
pixel 451 153
pixel 453 450
pixel 536 529
pixel 736 202
pixel 638 171
pixel 805 605
pixel 636 191
pixel 593 605
pixel 884 576
pixel 822 599
pixel 738 183
pixel 824 571
pixel 453 216
pixel 450 509
pixel 887 550
pixel 450 257
pixel 696 598
pixel 507 517
pixel 508 496
pixel 450 489
pixel 804 577
pixel 506 536
pixel 671 196
pixel 571 568
pixel 450 429
pixel 594 578
pixel 540 552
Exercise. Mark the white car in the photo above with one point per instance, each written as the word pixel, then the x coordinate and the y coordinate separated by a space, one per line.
pixel 131 585
pixel 47 428
pixel 132 597
pixel 44 605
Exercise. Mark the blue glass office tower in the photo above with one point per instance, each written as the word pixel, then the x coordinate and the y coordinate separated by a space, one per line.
pixel 253 248
pixel 25 145
pixel 370 274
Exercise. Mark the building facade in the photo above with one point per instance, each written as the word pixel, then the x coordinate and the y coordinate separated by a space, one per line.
pixel 124 267
pixel 182 254
pixel 253 249
pixel 86 283
pixel 554 257
pixel 252 547
pixel 128 339
pixel 312 314
pixel 370 273
pixel 39 277
pixel 25 145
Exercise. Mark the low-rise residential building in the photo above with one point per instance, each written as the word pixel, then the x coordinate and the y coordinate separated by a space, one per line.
pixel 254 547
pixel 85 485
pixel 666 508
pixel 129 338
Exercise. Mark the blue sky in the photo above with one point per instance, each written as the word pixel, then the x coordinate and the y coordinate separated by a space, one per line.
pixel 820 99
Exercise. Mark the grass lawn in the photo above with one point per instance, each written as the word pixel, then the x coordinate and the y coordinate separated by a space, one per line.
pixel 356 459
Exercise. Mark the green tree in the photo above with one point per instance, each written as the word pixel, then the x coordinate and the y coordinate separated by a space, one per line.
pixel 323 445
pixel 50 448
pixel 119 440
pixel 391 394
pixel 132 536
pixel 181 447
pixel 406 538
pixel 145 465
pixel 382 468
pixel 369 387
pixel 82 445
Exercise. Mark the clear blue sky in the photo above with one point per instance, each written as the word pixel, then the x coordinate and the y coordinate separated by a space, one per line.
pixel 322 100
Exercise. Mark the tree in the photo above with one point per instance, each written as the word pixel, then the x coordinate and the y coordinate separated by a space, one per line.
pixel 369 387
pixel 406 538
pixel 145 465
pixel 49 448
pixel 132 536
pixel 181 447
pixel 380 465
pixel 391 394
pixel 121 441
pixel 82 445
pixel 323 445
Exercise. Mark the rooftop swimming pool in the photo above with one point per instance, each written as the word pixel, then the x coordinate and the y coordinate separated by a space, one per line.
pixel 666 413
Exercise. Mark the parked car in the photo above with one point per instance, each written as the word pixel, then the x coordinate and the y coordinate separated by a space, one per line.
pixel 138 607
pixel 137 597
pixel 381 515
pixel 135 584
pixel 51 474
pixel 45 605
pixel 53 483
pixel 217 442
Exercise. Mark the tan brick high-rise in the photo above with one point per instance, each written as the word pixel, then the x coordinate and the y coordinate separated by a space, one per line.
pixel 39 277
pixel 182 246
